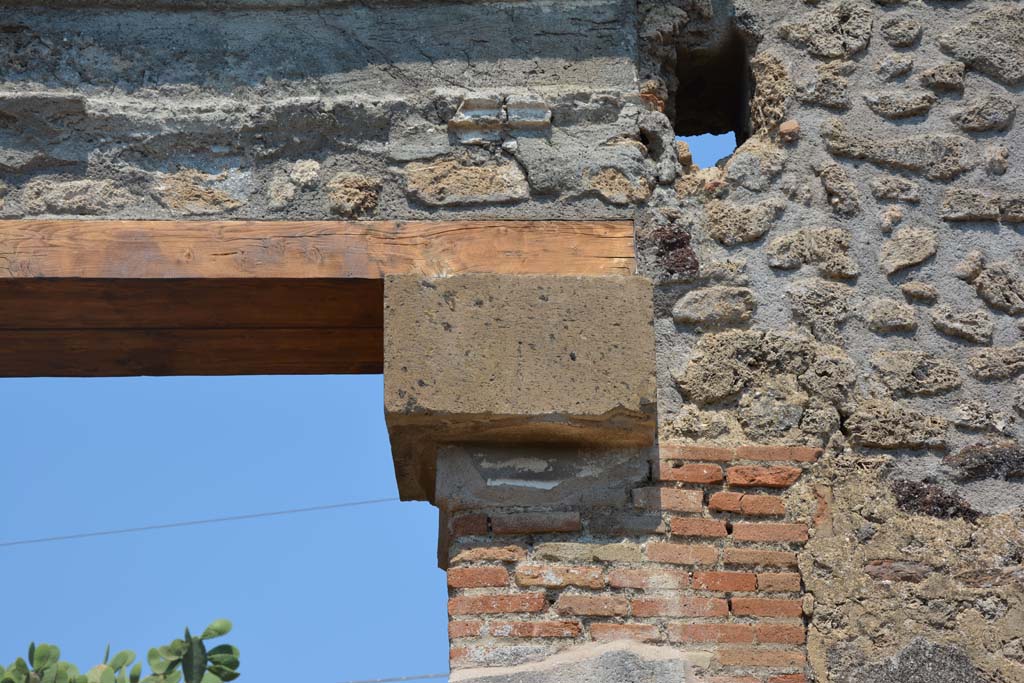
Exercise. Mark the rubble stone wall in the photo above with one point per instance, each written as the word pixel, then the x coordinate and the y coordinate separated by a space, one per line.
pixel 849 280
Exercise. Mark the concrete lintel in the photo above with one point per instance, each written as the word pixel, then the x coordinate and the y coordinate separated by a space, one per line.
pixel 515 360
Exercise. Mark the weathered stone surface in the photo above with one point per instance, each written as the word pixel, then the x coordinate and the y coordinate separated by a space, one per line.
pixel 997 159
pixel 895 189
pixel 821 306
pixel 719 305
pixel 989 460
pixel 892 66
pixel 936 155
pixel 1001 286
pixel 976 415
pixel 352 194
pixel 884 314
pixel 921 661
pixel 907 247
pixel 898 570
pixel 839 29
pixel 1001 362
pixel 617 662
pixel 990 112
pixel 490 358
pixel 970 267
pixel 901 30
pixel 990 42
pixel 829 88
pixel 616 187
pixel 448 181
pixel 774 89
pixel 967 204
pixel 842 193
pixel 192 192
pixel 947 77
pixel 923 498
pixel 900 104
pixel 825 248
pixel 81 197
pixel 879 423
pixel 732 224
pixel 973 326
pixel 771 412
pixel 920 291
pixel 916 373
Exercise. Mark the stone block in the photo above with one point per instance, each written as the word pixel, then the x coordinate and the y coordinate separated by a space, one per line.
pixel 515 360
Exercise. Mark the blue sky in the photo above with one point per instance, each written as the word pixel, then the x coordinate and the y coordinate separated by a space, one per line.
pixel 338 595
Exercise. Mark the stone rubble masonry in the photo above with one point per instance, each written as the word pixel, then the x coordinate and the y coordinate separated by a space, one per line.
pixel 515 359
pixel 717 581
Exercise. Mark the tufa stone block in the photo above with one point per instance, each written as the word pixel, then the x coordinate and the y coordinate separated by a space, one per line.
pixel 516 360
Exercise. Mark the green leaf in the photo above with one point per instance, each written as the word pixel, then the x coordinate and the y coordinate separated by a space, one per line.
pixel 50 676
pixel 136 673
pixel 230 661
pixel 220 627
pixel 108 676
pixel 122 659
pixel 224 673
pixel 32 653
pixel 45 656
pixel 106 655
pixel 172 677
pixel 193 663
pixel 224 649
pixel 175 650
pixel 210 678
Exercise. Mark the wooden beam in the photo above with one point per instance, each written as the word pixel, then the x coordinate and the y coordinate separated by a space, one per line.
pixel 111 298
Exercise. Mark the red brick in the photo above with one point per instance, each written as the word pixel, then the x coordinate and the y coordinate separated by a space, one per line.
pixel 497 604
pixel 690 526
pixel 710 633
pixel 469 525
pixel 670 451
pixel 477 577
pixel 785 582
pixel 724 581
pixel 678 553
pixel 788 678
pixel 732 679
pixel 649 579
pixel 690 473
pixel 680 606
pixel 725 501
pixel 675 500
pixel 763 558
pixel 560 576
pixel 490 553
pixel 786 634
pixel 464 629
pixel 535 522
pixel 613 523
pixel 458 656
pixel 535 629
pixel 778 453
pixel 758 657
pixel 762 506
pixel 592 605
pixel 766 607
pixel 647 633
pixel 770 532
pixel 771 477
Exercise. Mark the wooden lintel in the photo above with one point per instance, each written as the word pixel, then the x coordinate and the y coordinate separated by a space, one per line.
pixel 114 298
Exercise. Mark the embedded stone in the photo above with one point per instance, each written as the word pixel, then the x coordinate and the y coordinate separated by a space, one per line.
pixel 280 192
pixel 789 130
pixel 895 188
pixel 840 190
pixel 885 315
pixel 907 247
pixel 898 570
pixel 963 204
pixel 973 326
pixel 920 291
pixel 901 30
pixel 772 411
pixel 921 498
pixel 731 224
pixel 893 66
pixel 616 187
pixel 935 155
pixel 976 415
pixel 997 159
pixel 889 218
pixel 192 192
pixel 991 112
pixel 992 460
pixel 305 173
pixel 825 248
pixel 829 88
pixel 900 104
pixel 840 29
pixel 915 373
pixel 451 181
pixel 947 77
pixel 1001 286
pixel 877 423
pixel 1001 362
pixel 77 197
pixel 821 306
pixel 718 305
pixel 990 42
pixel 970 266
pixel 352 194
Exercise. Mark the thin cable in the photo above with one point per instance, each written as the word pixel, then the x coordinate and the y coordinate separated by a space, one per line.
pixel 197 522
pixel 400 678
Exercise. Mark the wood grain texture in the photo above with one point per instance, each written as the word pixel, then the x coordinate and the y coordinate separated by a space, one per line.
pixel 116 298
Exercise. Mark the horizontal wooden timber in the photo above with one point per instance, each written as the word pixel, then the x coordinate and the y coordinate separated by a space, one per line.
pixel 114 298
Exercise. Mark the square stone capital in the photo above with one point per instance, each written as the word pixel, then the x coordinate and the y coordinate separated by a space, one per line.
pixel 515 360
